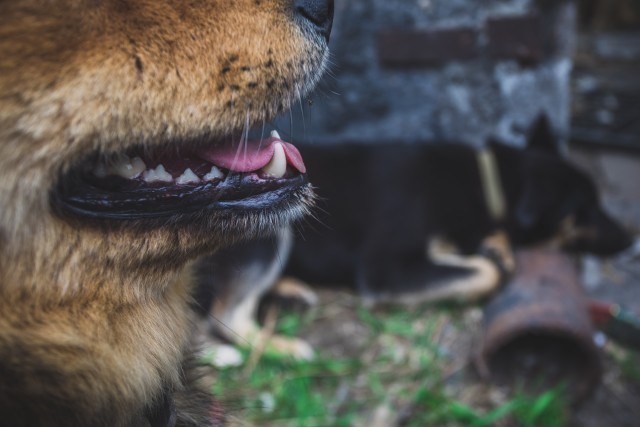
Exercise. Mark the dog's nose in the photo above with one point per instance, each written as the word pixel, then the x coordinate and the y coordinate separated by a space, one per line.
pixel 318 12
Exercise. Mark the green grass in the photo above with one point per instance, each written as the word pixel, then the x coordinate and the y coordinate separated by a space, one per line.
pixel 402 370
pixel 629 363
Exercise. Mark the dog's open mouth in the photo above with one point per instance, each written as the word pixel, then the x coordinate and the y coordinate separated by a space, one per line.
pixel 257 174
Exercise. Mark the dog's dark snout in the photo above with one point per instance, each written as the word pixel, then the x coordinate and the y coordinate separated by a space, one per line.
pixel 317 12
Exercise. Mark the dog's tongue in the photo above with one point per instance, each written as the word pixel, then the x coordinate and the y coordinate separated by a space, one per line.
pixel 252 156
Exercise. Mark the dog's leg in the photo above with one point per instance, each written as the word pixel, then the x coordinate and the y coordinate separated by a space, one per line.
pixel 495 246
pixel 498 247
pixel 466 279
pixel 290 288
pixel 237 323
pixel 237 279
pixel 442 275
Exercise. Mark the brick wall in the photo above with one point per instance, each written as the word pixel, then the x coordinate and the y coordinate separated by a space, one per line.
pixel 425 70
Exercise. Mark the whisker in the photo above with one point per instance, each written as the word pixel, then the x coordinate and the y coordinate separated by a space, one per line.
pixel 290 124
pixel 242 145
pixel 262 133
pixel 246 135
pixel 304 125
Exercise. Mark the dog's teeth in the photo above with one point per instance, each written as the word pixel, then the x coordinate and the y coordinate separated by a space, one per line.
pixel 215 173
pixel 124 167
pixel 188 177
pixel 275 134
pixel 157 174
pixel 277 166
pixel 128 168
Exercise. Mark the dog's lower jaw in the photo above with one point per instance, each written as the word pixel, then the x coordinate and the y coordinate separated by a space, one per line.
pixel 85 261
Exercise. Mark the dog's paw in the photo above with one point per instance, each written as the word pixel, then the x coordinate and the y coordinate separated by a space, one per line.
pixel 295 348
pixel 221 356
pixel 497 248
pixel 261 340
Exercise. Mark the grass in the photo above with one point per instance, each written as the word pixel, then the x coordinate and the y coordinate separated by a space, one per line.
pixel 403 373
pixel 629 363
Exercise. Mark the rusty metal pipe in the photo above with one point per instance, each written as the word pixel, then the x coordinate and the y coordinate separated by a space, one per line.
pixel 537 332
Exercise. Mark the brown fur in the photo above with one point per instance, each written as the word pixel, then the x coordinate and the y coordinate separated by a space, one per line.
pixel 93 320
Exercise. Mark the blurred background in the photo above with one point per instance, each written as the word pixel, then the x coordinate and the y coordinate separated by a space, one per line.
pixel 439 71
pixel 464 70
pixel 443 71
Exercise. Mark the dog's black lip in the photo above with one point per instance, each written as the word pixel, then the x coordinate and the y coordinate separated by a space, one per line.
pixel 239 191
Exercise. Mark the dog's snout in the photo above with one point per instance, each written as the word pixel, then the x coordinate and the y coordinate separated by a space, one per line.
pixel 318 12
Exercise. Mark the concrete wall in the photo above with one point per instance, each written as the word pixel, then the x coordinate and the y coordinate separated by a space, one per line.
pixel 466 99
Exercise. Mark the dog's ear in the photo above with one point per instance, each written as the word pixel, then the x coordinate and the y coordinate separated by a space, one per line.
pixel 541 136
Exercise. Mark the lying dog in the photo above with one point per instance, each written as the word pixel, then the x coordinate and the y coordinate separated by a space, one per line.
pixel 122 159
pixel 382 206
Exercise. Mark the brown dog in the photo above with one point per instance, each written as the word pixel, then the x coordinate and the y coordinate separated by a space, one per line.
pixel 119 127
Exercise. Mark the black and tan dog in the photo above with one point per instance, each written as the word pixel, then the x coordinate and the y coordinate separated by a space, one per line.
pixel 384 207
pixel 122 159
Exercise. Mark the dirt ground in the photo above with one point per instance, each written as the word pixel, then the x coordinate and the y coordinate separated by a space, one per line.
pixel 617 401
pixel 341 333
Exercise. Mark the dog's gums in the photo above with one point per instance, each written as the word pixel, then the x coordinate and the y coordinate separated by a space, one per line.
pixel 269 157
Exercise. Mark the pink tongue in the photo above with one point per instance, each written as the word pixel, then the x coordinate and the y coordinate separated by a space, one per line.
pixel 251 157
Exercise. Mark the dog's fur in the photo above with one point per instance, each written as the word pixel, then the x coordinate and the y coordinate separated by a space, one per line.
pixel 382 206
pixel 94 318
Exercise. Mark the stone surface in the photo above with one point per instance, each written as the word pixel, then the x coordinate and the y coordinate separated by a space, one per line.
pixel 617 174
pixel 363 100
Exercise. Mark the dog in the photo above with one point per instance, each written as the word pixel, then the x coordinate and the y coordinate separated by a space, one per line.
pixel 123 158
pixel 415 223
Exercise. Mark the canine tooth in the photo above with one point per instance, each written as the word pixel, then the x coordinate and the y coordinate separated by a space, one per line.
pixel 187 177
pixel 275 134
pixel 215 173
pixel 157 174
pixel 138 165
pixel 277 166
pixel 128 168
